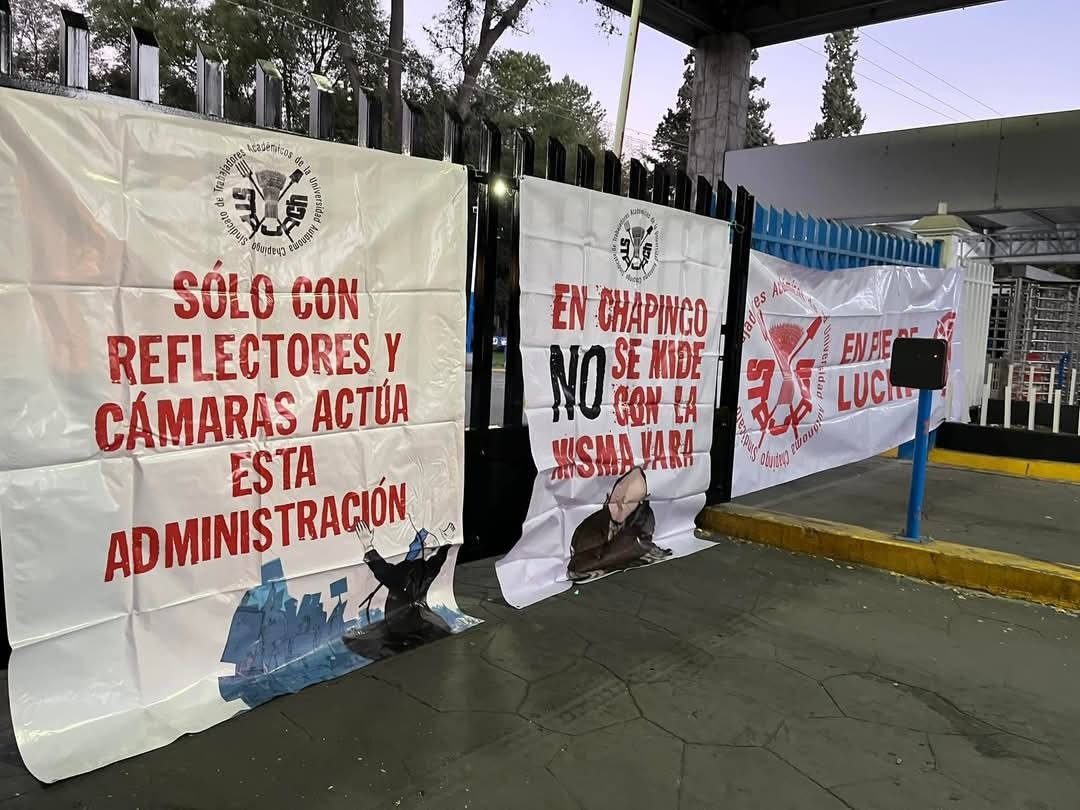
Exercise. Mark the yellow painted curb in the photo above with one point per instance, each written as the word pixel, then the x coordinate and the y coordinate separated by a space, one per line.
pixel 949 563
pixel 1002 465
pixel 1020 467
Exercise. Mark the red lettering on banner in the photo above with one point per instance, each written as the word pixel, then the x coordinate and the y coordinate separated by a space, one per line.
pixel 627 358
pixel 326 298
pixel 578 294
pixel 586 456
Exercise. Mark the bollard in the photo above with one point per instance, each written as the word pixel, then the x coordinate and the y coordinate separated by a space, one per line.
pixel 1008 406
pixel 1031 406
pixel 1057 410
pixel 1072 388
pixel 986 394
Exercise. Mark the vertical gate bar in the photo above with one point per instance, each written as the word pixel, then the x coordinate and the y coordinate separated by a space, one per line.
pixel 514 398
pixel 5 38
pixel 723 202
pixel 320 107
pixel 703 199
pixel 412 128
pixel 556 160
pixel 585 176
pixel 484 285
pixel 267 94
pixel 638 180
pixel 612 173
pixel 453 137
pixel 369 129
pixel 524 154
pixel 661 190
pixel 723 453
pixel 74 49
pixel 209 81
pixel 144 60
pixel 682 191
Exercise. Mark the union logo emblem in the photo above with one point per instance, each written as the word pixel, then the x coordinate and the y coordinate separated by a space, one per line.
pixel 785 353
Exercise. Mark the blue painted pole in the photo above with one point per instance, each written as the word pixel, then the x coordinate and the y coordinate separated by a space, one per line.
pixel 918 466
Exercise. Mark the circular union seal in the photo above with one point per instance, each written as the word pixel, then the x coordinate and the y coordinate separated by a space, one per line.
pixel 269 199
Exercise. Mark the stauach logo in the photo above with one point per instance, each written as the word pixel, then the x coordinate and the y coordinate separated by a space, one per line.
pixel 269 199
pixel 636 245
pixel 785 372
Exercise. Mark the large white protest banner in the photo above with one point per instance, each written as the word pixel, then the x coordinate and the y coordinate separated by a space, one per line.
pixel 231 464
pixel 621 306
pixel 814 391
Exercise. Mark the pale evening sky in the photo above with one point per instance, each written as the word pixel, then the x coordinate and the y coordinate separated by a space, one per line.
pixel 1017 56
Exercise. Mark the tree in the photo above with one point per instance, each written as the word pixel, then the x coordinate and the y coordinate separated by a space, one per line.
pixel 35 40
pixel 467 32
pixel 516 90
pixel 840 112
pixel 758 129
pixel 672 137
pixel 300 36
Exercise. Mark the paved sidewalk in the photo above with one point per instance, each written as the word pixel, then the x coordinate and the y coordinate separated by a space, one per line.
pixel 740 677
pixel 1036 519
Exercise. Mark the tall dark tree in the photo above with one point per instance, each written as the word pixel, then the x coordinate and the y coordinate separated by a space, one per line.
pixel 672 137
pixel 516 90
pixel 467 32
pixel 841 114
pixel 758 129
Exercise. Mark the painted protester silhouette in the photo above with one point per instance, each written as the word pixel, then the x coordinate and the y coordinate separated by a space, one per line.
pixel 618 536
pixel 407 621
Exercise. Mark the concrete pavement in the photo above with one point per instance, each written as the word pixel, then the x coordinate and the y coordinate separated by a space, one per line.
pixel 740 677
pixel 1032 518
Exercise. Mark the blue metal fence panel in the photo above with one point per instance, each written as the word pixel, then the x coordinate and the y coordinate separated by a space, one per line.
pixel 825 245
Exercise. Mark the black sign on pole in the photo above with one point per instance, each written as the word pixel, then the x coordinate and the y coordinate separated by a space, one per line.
pixel 919 363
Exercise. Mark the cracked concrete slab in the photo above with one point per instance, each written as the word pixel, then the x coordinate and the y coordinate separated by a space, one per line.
pixel 600 759
pixel 732 702
pixel 599 698
pixel 739 778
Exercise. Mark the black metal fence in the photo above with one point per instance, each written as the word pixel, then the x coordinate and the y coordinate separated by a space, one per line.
pixel 499 471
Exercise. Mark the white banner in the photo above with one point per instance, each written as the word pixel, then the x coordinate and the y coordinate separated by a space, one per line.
pixel 231 463
pixel 621 306
pixel 815 390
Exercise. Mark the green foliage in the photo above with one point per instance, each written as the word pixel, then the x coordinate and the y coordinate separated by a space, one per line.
pixel 516 90
pixel 336 39
pixel 758 129
pixel 672 136
pixel 35 46
pixel 345 40
pixel 841 114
